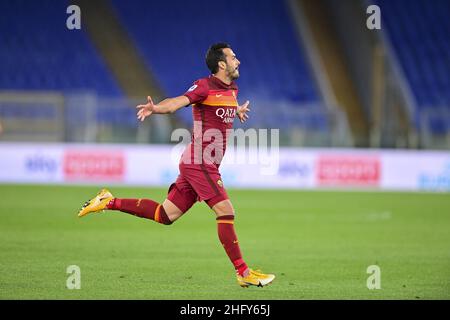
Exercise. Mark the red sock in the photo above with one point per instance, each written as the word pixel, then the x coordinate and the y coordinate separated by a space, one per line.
pixel 227 236
pixel 143 208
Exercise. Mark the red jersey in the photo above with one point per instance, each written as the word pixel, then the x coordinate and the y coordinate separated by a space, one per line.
pixel 214 106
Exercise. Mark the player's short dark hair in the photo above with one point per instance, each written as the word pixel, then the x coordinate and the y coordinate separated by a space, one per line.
pixel 214 55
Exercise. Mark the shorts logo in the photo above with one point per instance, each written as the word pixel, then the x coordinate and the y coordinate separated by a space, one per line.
pixel 192 88
pixel 220 183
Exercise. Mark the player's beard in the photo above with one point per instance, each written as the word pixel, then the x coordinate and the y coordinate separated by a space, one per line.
pixel 233 73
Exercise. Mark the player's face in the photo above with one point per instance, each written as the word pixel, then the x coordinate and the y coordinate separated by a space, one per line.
pixel 232 69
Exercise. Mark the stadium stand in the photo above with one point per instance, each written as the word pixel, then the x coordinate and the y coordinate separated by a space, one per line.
pixel 419 33
pixel 38 52
pixel 173 40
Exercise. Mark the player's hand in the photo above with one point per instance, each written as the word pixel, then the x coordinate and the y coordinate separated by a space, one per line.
pixel 242 111
pixel 145 110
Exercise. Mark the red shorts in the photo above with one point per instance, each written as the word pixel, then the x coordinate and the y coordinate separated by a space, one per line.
pixel 197 182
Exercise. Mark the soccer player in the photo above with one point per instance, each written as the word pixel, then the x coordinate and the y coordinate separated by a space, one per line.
pixel 214 103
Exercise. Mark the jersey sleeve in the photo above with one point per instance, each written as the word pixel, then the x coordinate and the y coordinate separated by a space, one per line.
pixel 198 92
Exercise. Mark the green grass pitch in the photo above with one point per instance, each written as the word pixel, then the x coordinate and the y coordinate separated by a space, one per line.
pixel 319 244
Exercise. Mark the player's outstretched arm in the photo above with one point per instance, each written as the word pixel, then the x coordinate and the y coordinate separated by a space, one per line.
pixel 169 105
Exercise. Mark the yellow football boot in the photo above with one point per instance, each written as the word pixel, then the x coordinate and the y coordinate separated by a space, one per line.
pixel 255 278
pixel 96 204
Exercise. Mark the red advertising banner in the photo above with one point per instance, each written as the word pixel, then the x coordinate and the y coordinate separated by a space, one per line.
pixel 345 170
pixel 93 165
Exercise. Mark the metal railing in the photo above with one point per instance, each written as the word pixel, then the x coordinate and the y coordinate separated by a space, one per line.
pixel 85 117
